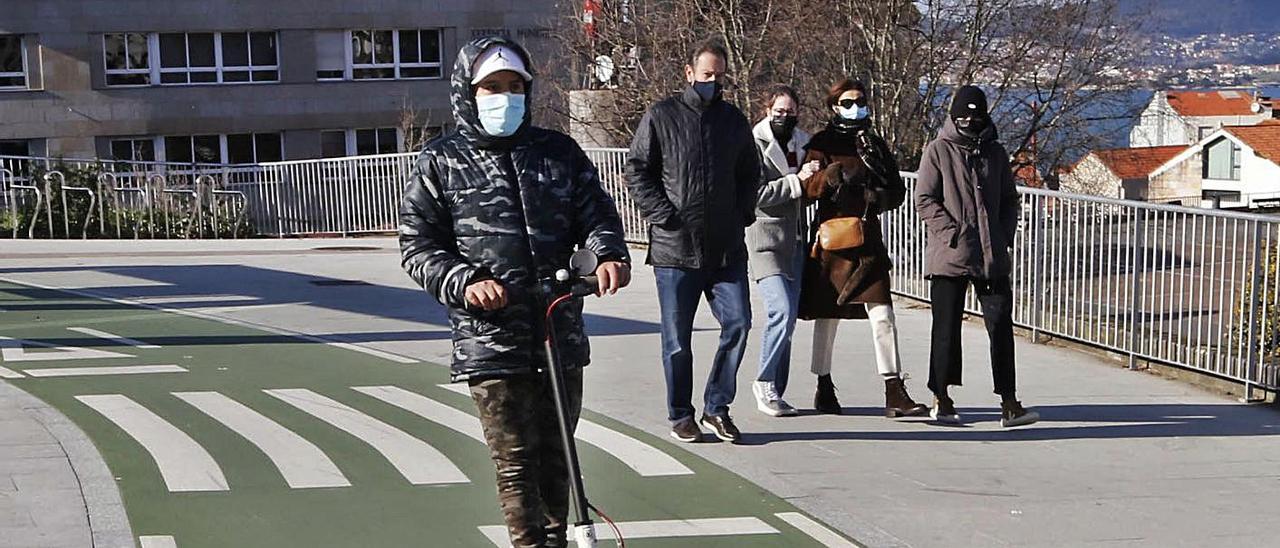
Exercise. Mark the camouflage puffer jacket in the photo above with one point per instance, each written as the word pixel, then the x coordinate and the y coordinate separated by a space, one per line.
pixel 512 209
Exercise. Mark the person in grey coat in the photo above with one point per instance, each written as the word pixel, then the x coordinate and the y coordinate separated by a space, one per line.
pixel 969 204
pixel 776 241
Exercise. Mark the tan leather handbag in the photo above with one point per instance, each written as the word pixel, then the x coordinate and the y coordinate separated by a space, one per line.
pixel 839 233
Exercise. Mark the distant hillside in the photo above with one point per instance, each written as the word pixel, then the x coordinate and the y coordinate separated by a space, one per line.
pixel 1192 17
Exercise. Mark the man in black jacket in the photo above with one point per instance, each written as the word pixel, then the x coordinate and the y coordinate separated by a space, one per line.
pixel 693 171
pixel 489 210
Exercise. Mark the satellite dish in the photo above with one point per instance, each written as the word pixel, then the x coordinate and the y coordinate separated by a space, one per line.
pixel 604 69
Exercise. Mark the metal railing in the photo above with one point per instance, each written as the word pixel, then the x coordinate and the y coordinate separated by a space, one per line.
pixel 1176 285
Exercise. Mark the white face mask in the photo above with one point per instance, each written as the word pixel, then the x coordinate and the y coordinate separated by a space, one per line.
pixel 853 113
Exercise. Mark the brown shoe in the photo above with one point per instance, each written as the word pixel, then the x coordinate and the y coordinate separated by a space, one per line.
pixel 897 403
pixel 686 431
pixel 825 400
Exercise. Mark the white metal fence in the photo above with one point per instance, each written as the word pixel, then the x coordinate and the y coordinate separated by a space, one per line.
pixel 1191 287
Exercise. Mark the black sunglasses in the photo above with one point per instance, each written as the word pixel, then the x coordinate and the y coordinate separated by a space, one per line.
pixel 848 103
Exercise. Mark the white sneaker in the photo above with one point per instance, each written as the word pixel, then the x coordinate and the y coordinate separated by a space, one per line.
pixel 768 401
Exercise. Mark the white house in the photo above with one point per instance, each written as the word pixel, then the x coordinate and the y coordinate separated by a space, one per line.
pixel 1237 167
pixel 1186 117
pixel 1122 173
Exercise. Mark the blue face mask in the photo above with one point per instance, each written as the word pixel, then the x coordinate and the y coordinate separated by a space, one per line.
pixel 501 114
pixel 707 91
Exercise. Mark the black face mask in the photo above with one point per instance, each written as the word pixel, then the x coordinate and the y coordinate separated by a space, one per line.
pixel 783 127
pixel 707 91
pixel 972 126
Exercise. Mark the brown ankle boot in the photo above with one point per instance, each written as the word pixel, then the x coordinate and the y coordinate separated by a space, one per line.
pixel 897 403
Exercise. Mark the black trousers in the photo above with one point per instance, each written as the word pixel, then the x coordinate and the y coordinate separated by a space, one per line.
pixel 996 297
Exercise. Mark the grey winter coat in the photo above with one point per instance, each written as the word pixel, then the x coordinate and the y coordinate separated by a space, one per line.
pixel 969 204
pixel 777 235
pixel 693 172
pixel 511 209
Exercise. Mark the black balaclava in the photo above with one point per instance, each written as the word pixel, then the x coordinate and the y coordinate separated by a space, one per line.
pixel 970 103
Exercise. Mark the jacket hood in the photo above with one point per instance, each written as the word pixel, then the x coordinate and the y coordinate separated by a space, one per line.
pixel 952 134
pixel 463 98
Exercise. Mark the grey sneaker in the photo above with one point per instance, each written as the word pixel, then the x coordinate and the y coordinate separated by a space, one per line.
pixel 768 401
pixel 686 431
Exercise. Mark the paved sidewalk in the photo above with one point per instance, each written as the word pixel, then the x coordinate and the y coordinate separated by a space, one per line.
pixel 1121 459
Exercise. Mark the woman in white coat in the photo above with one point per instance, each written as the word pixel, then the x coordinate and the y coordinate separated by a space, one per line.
pixel 776 241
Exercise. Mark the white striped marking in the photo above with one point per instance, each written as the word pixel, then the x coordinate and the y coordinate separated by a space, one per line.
pixel 815 530
pixel 417 461
pixel 643 458
pixel 12 351
pixel 302 464
pixel 171 299
pixel 427 408
pixel 674 528
pixel 372 352
pixel 112 337
pixel 184 465
pixel 6 373
pixel 96 371
pixel 157 541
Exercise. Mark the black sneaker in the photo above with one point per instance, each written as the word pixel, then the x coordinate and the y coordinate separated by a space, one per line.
pixel 722 426
pixel 686 431
pixel 1013 414
pixel 944 411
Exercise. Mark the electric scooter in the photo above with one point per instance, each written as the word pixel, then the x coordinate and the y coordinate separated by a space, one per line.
pixel 577 281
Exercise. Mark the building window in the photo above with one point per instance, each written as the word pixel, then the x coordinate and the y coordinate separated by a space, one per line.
pixel 15 147
pixel 13 62
pixel 378 54
pixel 1222 160
pixel 191 58
pixel 360 142
pixel 127 58
pixel 237 148
pixel 140 149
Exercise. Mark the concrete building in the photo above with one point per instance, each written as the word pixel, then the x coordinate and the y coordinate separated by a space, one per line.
pixel 236 82
pixel 1186 117
pixel 1123 173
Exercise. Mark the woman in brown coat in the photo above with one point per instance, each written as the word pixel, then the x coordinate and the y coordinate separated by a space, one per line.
pixel 859 178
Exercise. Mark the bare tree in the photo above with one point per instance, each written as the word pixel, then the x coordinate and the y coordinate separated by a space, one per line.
pixel 418 127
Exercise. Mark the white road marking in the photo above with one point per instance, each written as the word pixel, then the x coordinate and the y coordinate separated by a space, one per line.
pixel 372 352
pixel 815 530
pixel 96 371
pixel 172 299
pixel 427 408
pixel 13 350
pixel 157 541
pixel 6 373
pixel 184 465
pixel 417 461
pixel 674 528
pixel 641 457
pixel 302 464
pixel 111 337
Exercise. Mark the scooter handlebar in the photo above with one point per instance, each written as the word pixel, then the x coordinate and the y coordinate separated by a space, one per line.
pixel 586 285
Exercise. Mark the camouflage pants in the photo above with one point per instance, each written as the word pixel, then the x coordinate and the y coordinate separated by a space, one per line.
pixel 519 419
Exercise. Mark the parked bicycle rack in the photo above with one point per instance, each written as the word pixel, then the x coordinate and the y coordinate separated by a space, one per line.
pixel 112 182
pixel 14 186
pixel 195 213
pixel 66 209
pixel 242 203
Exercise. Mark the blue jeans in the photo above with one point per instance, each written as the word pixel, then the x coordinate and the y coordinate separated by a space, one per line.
pixel 679 292
pixel 781 295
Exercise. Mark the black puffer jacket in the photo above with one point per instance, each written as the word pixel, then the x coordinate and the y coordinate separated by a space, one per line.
pixel 693 171
pixel 511 209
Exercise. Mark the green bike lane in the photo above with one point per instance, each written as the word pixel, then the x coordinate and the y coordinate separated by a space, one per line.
pixel 251 438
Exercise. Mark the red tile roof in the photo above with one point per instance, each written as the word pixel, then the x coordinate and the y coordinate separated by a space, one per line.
pixel 1212 103
pixel 1137 163
pixel 1263 138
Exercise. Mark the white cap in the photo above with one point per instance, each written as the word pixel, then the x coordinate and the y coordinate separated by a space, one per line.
pixel 498 58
